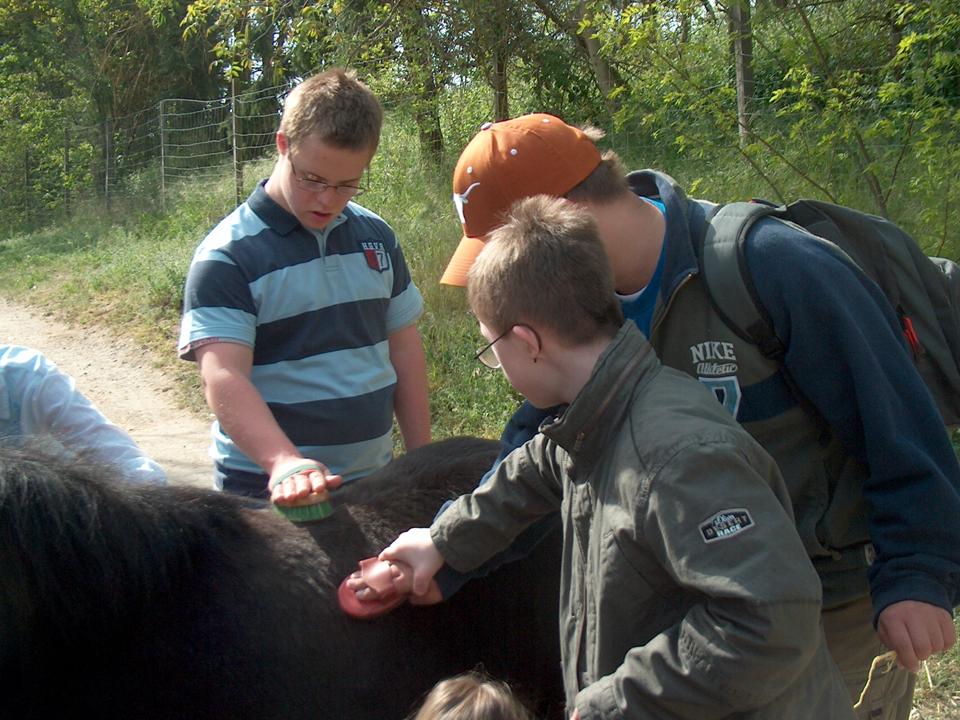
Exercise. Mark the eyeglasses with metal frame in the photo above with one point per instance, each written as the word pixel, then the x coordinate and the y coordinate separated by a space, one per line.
pixel 318 186
pixel 487 356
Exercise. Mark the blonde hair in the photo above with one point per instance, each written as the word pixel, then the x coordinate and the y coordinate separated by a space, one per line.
pixel 471 696
pixel 546 265
pixel 607 181
pixel 335 107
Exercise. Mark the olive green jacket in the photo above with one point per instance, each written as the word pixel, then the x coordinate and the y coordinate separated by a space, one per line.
pixel 685 590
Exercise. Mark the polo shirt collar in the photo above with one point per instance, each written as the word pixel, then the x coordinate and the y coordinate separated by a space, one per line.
pixel 276 217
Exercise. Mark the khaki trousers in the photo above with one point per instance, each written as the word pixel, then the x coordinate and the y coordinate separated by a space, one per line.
pixel 853 644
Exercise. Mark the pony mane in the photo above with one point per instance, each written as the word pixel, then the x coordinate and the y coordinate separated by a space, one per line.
pixel 158 601
pixel 392 499
pixel 96 547
pixel 93 545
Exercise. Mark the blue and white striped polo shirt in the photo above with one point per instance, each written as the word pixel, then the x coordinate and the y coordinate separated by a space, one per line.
pixel 317 308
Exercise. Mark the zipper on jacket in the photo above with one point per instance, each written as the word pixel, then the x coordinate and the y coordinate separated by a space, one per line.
pixel 666 308
pixel 590 424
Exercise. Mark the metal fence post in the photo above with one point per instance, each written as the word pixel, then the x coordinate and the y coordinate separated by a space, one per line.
pixel 163 163
pixel 107 154
pixel 27 205
pixel 237 167
pixel 66 168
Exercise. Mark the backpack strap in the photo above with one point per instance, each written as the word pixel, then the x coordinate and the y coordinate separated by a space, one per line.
pixel 733 295
pixel 836 222
pixel 724 273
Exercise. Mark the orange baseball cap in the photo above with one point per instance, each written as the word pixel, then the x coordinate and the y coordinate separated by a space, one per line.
pixel 507 161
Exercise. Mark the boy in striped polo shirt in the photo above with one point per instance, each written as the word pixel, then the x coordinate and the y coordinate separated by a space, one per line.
pixel 301 313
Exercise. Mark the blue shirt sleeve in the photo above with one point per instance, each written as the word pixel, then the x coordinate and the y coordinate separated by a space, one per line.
pixel 522 426
pixel 847 355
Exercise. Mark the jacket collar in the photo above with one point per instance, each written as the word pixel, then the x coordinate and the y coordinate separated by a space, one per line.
pixel 686 223
pixel 598 408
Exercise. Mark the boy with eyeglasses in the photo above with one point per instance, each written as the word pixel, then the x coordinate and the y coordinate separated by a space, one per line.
pixel 301 313
pixel 685 591
pixel 844 412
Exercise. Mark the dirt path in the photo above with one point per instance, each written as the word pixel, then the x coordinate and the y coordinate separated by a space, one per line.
pixel 119 378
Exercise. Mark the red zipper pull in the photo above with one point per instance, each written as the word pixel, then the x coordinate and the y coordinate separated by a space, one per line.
pixel 911 335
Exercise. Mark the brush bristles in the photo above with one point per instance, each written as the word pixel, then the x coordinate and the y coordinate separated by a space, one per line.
pixel 305 513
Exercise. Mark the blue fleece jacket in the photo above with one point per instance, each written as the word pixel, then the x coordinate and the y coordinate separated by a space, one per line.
pixel 868 392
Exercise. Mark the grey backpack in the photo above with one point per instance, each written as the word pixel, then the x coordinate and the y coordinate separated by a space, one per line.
pixel 924 291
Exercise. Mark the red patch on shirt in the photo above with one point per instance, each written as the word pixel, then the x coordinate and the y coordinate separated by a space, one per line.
pixel 376 255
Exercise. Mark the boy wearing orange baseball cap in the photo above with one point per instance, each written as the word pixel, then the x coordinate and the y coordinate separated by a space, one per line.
pixel 861 467
pixel 864 453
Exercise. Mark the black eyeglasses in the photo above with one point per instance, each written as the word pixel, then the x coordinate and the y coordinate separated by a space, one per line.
pixel 487 356
pixel 318 186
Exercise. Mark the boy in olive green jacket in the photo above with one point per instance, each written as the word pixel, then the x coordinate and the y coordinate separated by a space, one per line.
pixel 685 589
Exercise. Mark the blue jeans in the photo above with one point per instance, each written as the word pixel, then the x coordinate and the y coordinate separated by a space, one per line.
pixel 524 425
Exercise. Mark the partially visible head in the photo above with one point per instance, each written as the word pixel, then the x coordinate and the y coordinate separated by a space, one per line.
pixel 336 108
pixel 536 154
pixel 328 134
pixel 546 267
pixel 471 696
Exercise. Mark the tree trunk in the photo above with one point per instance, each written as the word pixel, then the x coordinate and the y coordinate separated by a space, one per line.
pixel 606 75
pixel 741 39
pixel 501 103
pixel 422 80
pixel 427 117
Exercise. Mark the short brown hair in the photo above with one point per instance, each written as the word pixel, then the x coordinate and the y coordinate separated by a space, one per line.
pixel 606 183
pixel 471 696
pixel 546 265
pixel 335 107
pixel 608 180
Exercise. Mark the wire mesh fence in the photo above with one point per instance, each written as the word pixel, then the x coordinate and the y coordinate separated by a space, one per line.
pixel 146 156
pixel 147 153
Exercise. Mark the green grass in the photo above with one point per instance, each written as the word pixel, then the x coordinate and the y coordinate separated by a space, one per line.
pixel 938 687
pixel 127 271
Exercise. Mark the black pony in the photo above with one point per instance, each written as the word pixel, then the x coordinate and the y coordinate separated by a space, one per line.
pixel 126 601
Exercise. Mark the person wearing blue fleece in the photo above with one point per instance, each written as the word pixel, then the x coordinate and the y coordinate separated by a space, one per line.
pixel 872 475
pixel 41 404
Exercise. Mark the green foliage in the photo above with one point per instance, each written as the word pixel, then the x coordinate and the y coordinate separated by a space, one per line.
pixel 465 398
pixel 854 102
pixel 68 66
pixel 547 80
pixel 129 269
